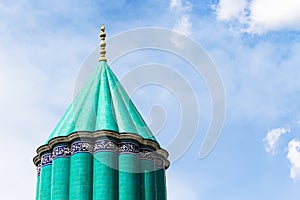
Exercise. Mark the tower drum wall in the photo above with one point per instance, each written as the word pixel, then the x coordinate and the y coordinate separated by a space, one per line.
pixel 129 168
pixel 148 180
pixel 38 168
pixel 81 171
pixel 60 172
pixel 45 177
pixel 160 177
pixel 104 166
pixel 105 181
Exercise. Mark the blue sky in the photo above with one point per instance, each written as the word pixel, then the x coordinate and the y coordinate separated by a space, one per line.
pixel 255 45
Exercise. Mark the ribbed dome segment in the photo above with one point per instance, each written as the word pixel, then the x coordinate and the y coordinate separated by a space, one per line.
pixel 102 104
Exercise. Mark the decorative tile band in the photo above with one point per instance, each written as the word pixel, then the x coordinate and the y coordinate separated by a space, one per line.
pixel 146 154
pixel 46 159
pixel 38 169
pixel 64 147
pixel 62 151
pixel 128 147
pixel 103 140
pixel 113 146
pixel 106 145
pixel 102 145
pixel 82 147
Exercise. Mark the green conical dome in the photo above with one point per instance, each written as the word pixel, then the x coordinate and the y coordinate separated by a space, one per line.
pixel 102 104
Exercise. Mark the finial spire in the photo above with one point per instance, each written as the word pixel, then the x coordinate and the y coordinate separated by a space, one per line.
pixel 102 44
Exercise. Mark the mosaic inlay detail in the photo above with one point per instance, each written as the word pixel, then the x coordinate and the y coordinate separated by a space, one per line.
pixel 100 145
pixel 61 152
pixel 147 154
pixel 82 146
pixel 128 147
pixel 46 159
pixel 106 145
pixel 38 169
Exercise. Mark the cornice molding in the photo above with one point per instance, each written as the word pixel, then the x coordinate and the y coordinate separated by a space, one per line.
pixel 96 136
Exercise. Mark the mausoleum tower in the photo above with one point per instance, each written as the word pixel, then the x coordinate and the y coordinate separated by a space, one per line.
pixel 101 149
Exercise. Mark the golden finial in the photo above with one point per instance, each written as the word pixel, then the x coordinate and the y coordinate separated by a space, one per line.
pixel 102 44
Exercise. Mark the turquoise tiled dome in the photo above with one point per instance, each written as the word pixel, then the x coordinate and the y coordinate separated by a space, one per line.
pixel 102 104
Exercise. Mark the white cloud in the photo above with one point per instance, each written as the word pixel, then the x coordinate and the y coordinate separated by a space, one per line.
pixel 178 5
pixel 182 10
pixel 294 158
pixel 174 4
pixel 230 9
pixel 37 71
pixel 272 138
pixel 183 25
pixel 260 16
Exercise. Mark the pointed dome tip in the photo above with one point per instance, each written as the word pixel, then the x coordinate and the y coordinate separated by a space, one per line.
pixel 102 44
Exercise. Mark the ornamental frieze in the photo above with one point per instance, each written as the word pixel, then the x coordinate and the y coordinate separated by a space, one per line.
pixel 129 147
pixel 46 159
pixel 61 151
pixel 38 169
pixel 146 154
pixel 99 146
pixel 105 145
pixel 81 146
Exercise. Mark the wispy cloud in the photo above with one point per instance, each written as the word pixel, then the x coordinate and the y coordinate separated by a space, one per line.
pixel 230 9
pixel 183 11
pixel 183 25
pixel 294 158
pixel 175 4
pixel 272 138
pixel 38 64
pixel 179 5
pixel 260 16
